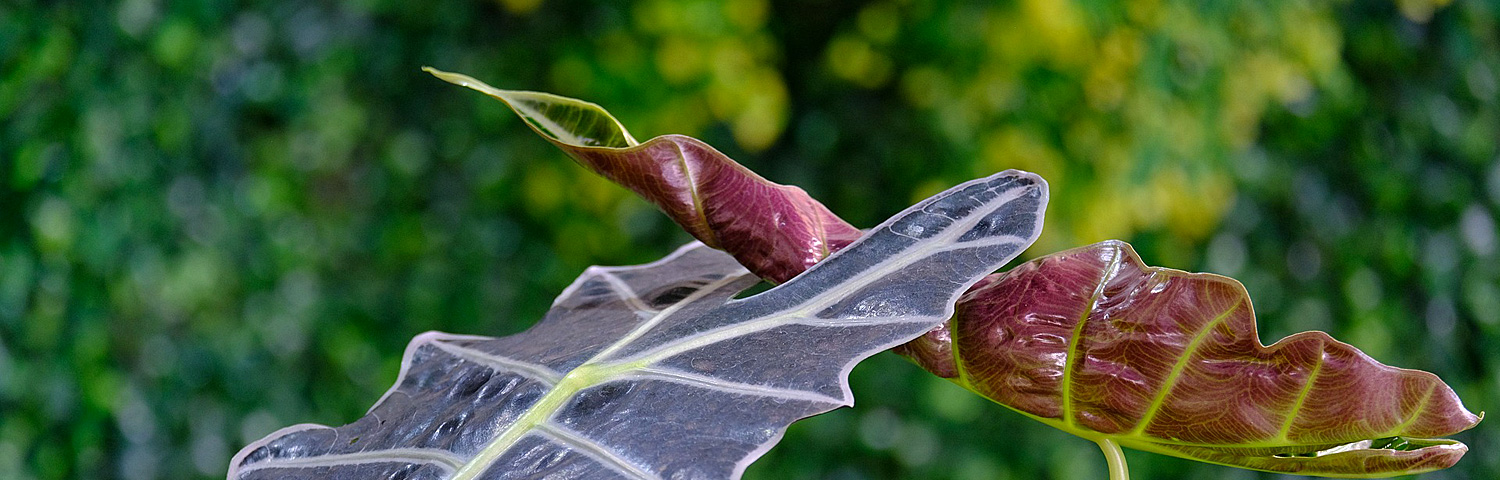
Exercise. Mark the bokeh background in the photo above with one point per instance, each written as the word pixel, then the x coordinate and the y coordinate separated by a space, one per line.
pixel 219 218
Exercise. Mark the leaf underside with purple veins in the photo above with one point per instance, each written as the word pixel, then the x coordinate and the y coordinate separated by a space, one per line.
pixel 1096 343
pixel 655 371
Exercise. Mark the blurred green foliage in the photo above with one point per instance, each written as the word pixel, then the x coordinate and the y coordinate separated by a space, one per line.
pixel 220 218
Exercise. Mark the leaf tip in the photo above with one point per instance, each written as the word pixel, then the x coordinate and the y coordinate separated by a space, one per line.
pixel 453 78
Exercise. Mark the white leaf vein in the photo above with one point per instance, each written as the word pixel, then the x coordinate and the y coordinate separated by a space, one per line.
pixel 530 370
pixel 429 456
pixel 604 455
pixel 721 385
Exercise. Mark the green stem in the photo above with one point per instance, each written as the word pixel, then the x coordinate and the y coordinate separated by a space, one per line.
pixel 1115 458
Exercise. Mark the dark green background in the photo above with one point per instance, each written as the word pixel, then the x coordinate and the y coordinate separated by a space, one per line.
pixel 219 218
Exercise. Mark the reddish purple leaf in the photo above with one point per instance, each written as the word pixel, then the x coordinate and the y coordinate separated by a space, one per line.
pixel 1094 342
pixel 775 231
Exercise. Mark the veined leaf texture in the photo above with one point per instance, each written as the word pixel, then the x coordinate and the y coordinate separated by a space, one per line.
pixel 655 371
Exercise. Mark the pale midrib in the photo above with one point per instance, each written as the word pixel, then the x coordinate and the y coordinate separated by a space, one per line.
pixel 1105 276
pixel 579 378
pixel 440 458
pixel 582 377
pixel 1312 378
pixel 1181 366
pixel 591 373
pixel 697 200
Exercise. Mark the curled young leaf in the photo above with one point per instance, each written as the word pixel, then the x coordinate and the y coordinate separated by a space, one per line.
pixel 776 231
pixel 655 371
pixel 1094 342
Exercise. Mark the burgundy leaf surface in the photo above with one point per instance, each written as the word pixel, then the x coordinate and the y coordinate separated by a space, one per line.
pixel 1096 343
pixel 775 231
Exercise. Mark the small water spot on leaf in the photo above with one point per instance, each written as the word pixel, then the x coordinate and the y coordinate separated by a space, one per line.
pixel 447 427
pixel 1393 443
pixel 526 399
pixel 496 388
pixel 872 307
pixel 704 364
pixel 402 474
pixel 546 462
pixel 688 473
pixel 276 451
pixel 999 334
pixel 1160 284
pixel 984 225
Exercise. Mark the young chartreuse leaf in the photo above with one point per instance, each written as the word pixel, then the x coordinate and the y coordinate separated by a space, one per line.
pixel 655 371
pixel 776 231
pixel 562 120
pixel 1094 342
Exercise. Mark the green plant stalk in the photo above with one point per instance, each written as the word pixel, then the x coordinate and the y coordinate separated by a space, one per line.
pixel 1115 457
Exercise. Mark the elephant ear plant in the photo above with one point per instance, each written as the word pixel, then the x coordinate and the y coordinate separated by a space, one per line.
pixel 655 372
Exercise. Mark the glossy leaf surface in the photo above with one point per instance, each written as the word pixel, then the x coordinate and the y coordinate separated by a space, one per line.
pixel 654 371
pixel 776 231
pixel 1096 343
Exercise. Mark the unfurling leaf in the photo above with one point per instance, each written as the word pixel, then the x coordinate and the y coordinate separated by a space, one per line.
pixel 1094 342
pixel 776 231
pixel 654 371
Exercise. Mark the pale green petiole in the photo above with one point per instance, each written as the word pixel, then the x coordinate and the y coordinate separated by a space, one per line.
pixel 1115 457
